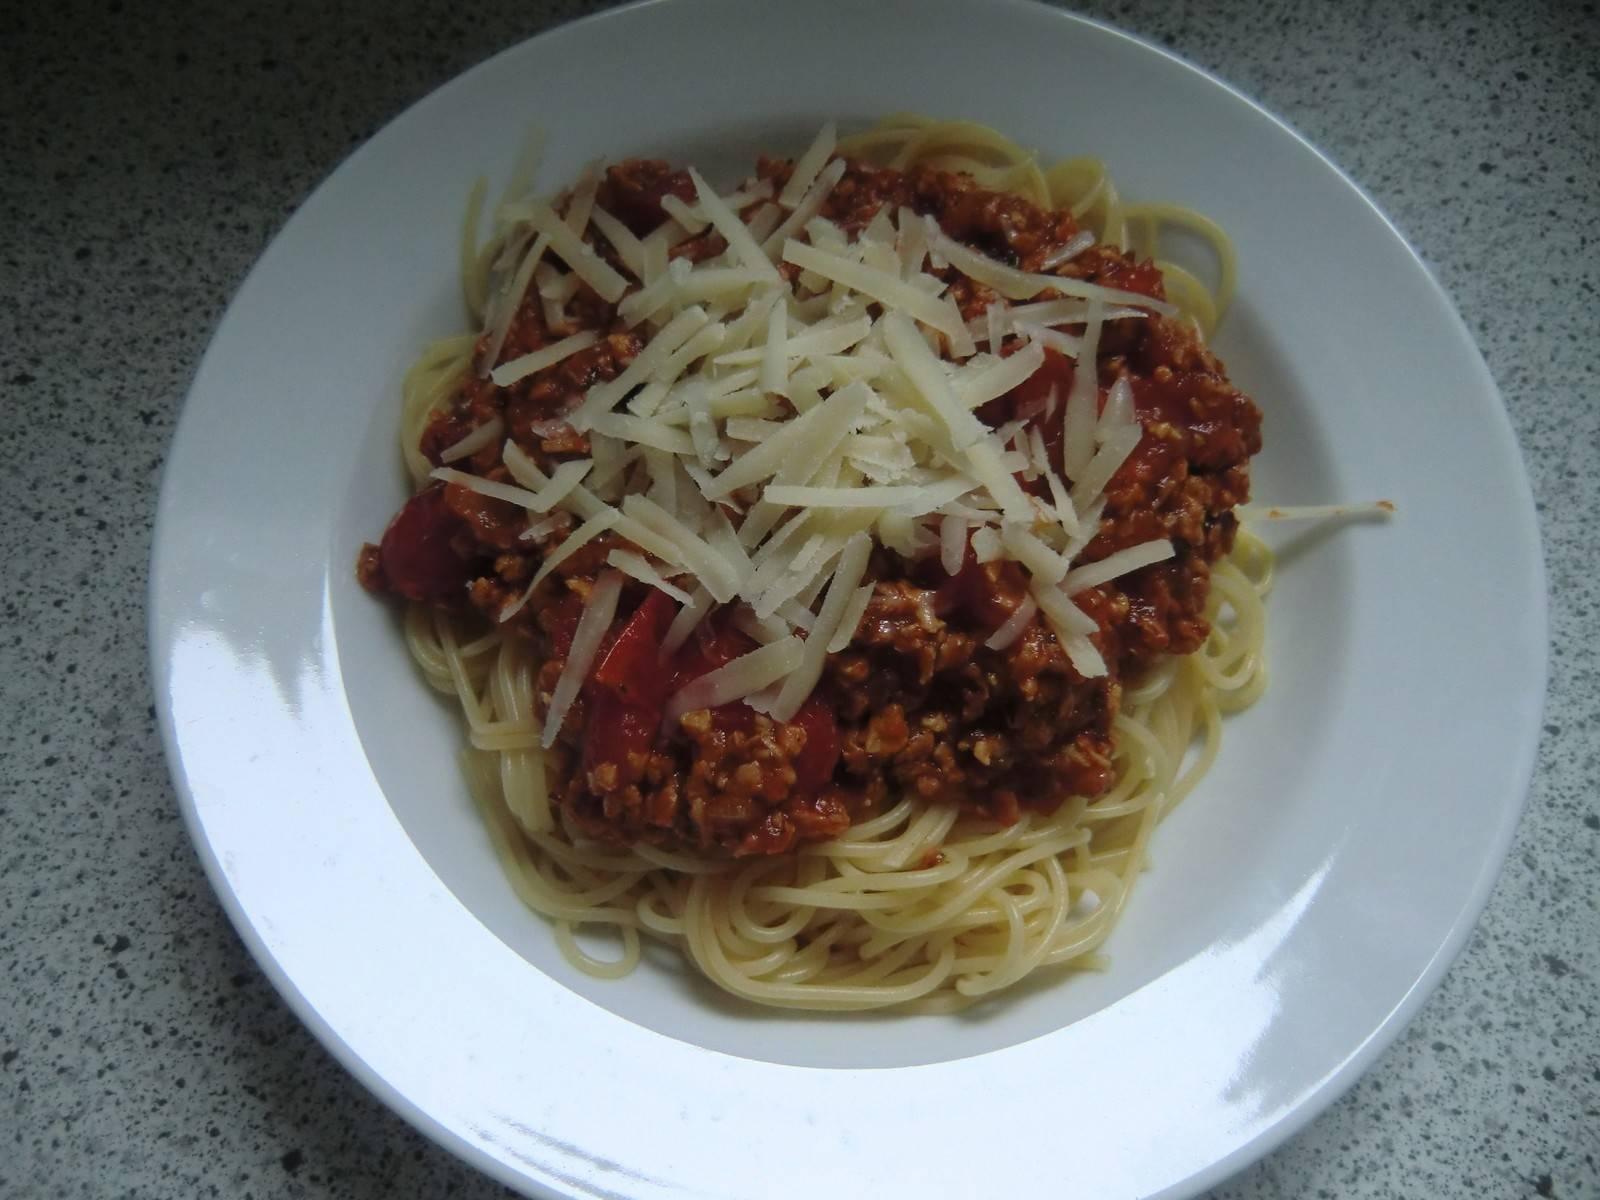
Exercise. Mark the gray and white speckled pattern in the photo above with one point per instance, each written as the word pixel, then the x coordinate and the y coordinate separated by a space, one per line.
pixel 150 150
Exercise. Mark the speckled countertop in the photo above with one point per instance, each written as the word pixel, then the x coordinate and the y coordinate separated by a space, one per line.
pixel 148 151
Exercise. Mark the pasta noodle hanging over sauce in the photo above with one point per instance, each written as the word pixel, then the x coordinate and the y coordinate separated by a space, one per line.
pixel 839 575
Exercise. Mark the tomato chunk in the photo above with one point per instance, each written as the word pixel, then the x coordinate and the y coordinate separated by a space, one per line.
pixel 815 763
pixel 619 732
pixel 629 687
pixel 632 192
pixel 985 594
pixel 631 666
pixel 418 558
pixel 712 645
pixel 560 619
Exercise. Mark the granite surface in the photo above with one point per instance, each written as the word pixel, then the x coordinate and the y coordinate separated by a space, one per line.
pixel 148 151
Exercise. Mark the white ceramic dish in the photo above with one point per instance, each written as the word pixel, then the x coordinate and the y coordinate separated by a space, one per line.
pixel 1301 905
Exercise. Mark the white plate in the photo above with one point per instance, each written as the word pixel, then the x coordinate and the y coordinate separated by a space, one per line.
pixel 1301 904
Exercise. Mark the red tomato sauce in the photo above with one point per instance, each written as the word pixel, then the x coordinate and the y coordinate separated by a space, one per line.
pixel 917 704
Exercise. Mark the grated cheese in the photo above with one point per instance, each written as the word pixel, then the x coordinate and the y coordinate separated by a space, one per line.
pixel 813 561
pixel 1084 656
pixel 726 222
pixel 840 497
pixel 986 545
pixel 505 304
pixel 887 289
pixel 691 218
pixel 1118 410
pixel 927 376
pixel 605 396
pixel 984 379
pixel 1113 565
pixel 661 473
pixel 1107 461
pixel 1068 251
pixel 554 284
pixel 636 565
pixel 1072 627
pixel 1061 502
pixel 644 432
pixel 952 543
pixel 1023 285
pixel 584 262
pixel 582 202
pixel 774 355
pixel 984 461
pixel 1038 455
pixel 802 678
pixel 934 496
pixel 761 629
pixel 751 429
pixel 520 368
pixel 811 204
pixel 1060 609
pixel 762 222
pixel 1004 637
pixel 811 437
pixel 648 300
pixel 724 539
pixel 1042 562
pixel 545 491
pixel 697 347
pixel 854 611
pixel 689 616
pixel 824 339
pixel 714 283
pixel 486 487
pixel 1050 339
pixel 1078 422
pixel 599 607
pixel 570 545
pixel 809 164
pixel 647 401
pixel 543 526
pixel 714 570
pixel 737 679
pixel 484 435
pixel 628 247
pixel 994 326
pixel 1088 528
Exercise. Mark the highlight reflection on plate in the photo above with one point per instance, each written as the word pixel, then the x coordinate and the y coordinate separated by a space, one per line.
pixel 1301 903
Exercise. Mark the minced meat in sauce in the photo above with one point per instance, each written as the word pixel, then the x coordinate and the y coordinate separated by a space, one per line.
pixel 917 704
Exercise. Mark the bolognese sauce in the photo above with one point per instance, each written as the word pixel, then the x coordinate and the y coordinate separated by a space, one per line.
pixel 917 703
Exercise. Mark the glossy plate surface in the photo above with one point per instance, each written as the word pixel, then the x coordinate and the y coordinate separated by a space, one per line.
pixel 1301 903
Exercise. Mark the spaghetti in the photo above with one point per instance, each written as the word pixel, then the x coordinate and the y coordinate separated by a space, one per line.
pixel 924 904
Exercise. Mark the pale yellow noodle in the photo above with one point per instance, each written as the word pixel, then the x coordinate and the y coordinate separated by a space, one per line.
pixel 474 280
